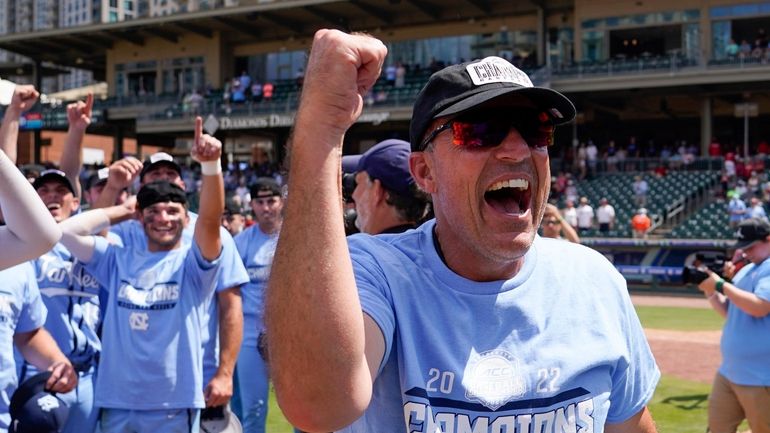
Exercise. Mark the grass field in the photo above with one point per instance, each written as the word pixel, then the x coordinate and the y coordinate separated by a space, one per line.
pixel 680 319
pixel 678 406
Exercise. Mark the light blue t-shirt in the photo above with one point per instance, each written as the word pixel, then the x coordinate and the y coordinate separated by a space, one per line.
pixel 232 274
pixel 21 310
pixel 556 348
pixel 256 249
pixel 737 210
pixel 746 339
pixel 152 352
pixel 70 294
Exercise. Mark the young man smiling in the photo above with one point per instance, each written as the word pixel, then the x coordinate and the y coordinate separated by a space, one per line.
pixel 471 322
pixel 158 297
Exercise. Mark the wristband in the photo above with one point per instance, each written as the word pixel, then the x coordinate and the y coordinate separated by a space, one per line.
pixel 211 168
pixel 720 286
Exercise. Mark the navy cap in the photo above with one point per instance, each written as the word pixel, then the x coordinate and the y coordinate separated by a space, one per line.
pixel 160 192
pixel 98 178
pixel 750 231
pixel 35 410
pixel 53 175
pixel 157 159
pixel 265 187
pixel 459 88
pixel 387 161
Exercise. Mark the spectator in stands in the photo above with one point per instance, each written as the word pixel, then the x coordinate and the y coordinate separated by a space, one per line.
pixel 757 210
pixel 640 224
pixel 267 91
pixel 729 166
pixel 256 91
pixel 745 49
pixel 570 214
pixel 299 77
pixel 585 216
pixel 554 226
pixel 400 75
pixel 390 75
pixel 740 388
pixel 732 49
pixel 640 188
pixel 763 148
pixel 582 161
pixel 592 158
pixel 605 216
pixel 238 91
pixel 754 184
pixel 715 149
pixel 571 191
pixel 736 209
pixel 610 155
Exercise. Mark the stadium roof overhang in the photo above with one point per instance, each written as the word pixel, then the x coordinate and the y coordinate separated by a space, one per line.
pixel 85 47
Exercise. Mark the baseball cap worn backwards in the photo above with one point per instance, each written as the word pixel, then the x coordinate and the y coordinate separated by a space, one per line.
pixel 53 175
pixel 387 161
pixel 750 231
pixel 265 187
pixel 157 159
pixel 35 410
pixel 160 192
pixel 491 81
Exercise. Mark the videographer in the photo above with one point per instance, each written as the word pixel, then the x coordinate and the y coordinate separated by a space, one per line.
pixel 740 389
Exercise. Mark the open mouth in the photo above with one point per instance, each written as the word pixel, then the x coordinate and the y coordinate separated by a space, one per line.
pixel 510 196
pixel 53 206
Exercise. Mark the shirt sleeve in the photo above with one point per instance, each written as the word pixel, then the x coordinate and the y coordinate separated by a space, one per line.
pixel 636 374
pixel 373 292
pixel 201 273
pixel 103 263
pixel 233 271
pixel 33 311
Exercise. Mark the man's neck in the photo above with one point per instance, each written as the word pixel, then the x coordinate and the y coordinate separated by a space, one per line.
pixel 270 229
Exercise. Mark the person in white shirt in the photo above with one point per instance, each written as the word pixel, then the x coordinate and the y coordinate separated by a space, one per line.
pixel 605 216
pixel 569 214
pixel 585 216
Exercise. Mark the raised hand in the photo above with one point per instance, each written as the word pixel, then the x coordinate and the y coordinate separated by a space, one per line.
pixel 24 97
pixel 205 147
pixel 79 113
pixel 341 69
pixel 123 172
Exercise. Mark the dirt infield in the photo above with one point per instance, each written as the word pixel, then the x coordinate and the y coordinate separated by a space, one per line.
pixel 687 355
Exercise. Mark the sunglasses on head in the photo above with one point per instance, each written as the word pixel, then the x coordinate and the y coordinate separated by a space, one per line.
pixel 552 222
pixel 483 129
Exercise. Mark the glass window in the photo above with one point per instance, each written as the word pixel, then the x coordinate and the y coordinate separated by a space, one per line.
pixel 593 46
pixel 721 33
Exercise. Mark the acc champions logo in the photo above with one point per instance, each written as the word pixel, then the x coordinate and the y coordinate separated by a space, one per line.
pixel 493 378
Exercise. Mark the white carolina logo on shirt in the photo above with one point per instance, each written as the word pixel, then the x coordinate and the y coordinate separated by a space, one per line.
pixel 493 378
pixel 139 321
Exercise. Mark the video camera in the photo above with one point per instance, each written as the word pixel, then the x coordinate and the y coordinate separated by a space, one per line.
pixel 695 265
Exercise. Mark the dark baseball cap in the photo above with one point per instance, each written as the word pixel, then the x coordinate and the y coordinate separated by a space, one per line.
pixel 265 187
pixel 35 410
pixel 750 231
pixel 55 176
pixel 160 192
pixel 158 159
pixel 98 178
pixel 387 161
pixel 463 87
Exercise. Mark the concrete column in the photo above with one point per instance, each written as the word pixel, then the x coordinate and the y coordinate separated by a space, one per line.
pixel 705 124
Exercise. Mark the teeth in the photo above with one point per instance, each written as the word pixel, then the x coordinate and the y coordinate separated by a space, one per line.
pixel 510 183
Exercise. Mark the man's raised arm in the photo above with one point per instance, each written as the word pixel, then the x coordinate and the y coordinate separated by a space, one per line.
pixel 207 150
pixel 78 119
pixel 24 97
pixel 313 315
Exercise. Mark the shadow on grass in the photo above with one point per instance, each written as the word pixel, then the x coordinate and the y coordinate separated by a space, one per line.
pixel 687 402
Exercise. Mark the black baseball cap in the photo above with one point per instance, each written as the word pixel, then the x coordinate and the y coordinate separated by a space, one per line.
pixel 387 161
pixel 53 175
pixel 35 410
pixel 750 231
pixel 160 192
pixel 98 178
pixel 265 187
pixel 157 159
pixel 463 87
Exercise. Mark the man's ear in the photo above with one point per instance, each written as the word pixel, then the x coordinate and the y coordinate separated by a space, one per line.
pixel 75 204
pixel 378 191
pixel 421 166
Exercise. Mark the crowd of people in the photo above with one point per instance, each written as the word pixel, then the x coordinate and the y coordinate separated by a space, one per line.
pixel 444 309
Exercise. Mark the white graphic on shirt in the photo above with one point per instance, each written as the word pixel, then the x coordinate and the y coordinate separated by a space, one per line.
pixel 139 321
pixel 493 378
pixel 47 403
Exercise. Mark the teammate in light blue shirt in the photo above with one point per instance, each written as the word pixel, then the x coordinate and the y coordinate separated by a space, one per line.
pixel 22 315
pixel 471 322
pixel 256 245
pixel 70 294
pixel 224 322
pixel 157 301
